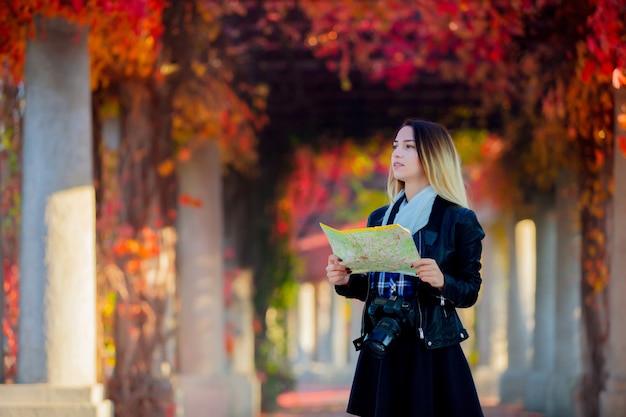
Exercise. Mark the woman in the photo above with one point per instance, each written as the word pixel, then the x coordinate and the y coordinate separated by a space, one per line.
pixel 412 363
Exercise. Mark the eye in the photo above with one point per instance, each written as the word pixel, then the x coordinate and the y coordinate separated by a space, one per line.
pixel 394 145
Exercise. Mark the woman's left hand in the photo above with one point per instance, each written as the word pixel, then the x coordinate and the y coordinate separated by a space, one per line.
pixel 428 271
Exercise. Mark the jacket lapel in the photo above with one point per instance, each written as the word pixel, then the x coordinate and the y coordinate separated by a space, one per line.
pixel 431 230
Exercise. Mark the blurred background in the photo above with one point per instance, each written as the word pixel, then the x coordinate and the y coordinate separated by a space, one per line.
pixel 164 168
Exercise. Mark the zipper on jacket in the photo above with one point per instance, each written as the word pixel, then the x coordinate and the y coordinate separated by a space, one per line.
pixel 419 312
pixel 443 304
pixel 367 297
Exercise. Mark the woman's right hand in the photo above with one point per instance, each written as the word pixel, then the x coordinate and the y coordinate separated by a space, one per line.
pixel 337 274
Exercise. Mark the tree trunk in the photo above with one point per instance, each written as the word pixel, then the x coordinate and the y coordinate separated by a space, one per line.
pixel 135 146
pixel 613 399
pixel 595 201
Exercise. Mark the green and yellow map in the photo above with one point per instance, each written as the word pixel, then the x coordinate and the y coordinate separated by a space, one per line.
pixel 374 249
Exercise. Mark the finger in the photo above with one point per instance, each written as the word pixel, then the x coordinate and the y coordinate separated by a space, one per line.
pixel 334 278
pixel 336 268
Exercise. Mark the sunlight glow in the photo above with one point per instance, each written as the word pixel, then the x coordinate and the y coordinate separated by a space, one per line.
pixel 306 315
pixel 619 79
pixel 525 243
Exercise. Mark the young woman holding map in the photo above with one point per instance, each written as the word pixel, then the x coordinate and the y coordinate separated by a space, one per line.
pixel 411 362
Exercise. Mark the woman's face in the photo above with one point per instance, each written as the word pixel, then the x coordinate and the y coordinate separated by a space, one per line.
pixel 405 163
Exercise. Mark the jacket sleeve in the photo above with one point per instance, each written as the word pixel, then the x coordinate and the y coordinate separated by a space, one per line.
pixel 462 278
pixel 356 288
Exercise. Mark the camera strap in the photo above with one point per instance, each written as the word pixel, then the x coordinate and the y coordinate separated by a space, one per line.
pixel 395 208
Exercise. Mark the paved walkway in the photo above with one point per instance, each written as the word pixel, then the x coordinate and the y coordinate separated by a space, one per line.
pixel 312 400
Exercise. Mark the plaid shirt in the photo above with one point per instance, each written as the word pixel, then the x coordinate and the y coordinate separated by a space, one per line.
pixel 386 284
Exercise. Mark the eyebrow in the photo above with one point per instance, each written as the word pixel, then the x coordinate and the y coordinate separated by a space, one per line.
pixel 404 140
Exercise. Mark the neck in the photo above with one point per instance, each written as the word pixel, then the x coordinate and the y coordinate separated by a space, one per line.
pixel 413 189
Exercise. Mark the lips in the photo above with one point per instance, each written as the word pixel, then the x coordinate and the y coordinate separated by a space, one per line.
pixel 397 165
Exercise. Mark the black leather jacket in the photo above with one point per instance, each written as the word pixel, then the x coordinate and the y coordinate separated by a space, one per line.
pixel 453 238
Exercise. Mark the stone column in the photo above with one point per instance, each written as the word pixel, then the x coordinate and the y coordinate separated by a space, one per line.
pixel 57 330
pixel 513 381
pixel 561 401
pixel 545 308
pixel 491 313
pixel 247 389
pixel 324 324
pixel 340 330
pixel 613 398
pixel 202 383
pixel 307 325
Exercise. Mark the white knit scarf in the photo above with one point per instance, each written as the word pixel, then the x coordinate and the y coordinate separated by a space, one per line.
pixel 413 214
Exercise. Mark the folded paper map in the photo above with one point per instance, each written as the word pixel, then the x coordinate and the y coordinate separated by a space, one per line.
pixel 376 249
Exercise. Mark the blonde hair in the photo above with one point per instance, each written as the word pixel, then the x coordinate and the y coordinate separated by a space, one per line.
pixel 440 161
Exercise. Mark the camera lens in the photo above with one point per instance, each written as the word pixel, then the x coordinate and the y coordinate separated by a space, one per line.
pixel 381 338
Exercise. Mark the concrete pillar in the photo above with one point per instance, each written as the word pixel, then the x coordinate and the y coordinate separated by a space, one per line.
pixel 324 323
pixel 247 392
pixel 520 303
pixel 333 337
pixel 560 396
pixel 613 398
pixel 307 323
pixel 340 331
pixel 203 384
pixel 545 309
pixel 56 372
pixel 293 343
pixel 491 313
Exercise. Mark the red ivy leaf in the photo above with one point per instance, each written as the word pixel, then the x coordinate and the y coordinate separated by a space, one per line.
pixel 621 143
pixel 590 66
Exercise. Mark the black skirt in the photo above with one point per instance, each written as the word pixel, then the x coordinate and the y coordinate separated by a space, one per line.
pixel 412 381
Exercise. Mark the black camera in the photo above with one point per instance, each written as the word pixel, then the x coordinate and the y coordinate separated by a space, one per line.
pixel 389 316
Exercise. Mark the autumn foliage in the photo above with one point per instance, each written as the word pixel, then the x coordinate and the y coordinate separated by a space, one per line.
pixel 130 49
pixel 544 71
pixel 546 67
pixel 163 57
pixel 10 184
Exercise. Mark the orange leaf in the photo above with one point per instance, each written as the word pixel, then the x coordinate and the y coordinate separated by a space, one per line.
pixel 133 266
pixel 187 200
pixel 166 168
pixel 132 246
pixel 120 248
pixel 184 154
